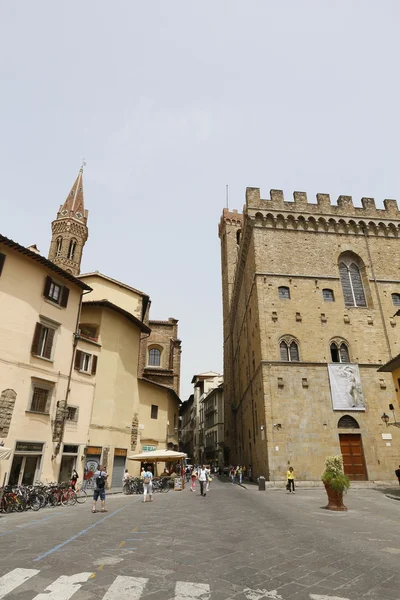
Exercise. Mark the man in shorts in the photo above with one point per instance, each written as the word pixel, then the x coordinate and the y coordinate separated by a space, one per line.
pixel 100 478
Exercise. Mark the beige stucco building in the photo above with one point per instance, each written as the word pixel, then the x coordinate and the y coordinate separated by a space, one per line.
pixel 308 299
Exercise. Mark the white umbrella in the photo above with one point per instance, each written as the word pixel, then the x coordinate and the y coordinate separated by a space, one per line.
pixel 5 453
pixel 158 456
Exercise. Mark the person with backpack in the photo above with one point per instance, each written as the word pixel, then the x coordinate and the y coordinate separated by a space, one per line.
pixel 397 471
pixel 100 478
pixel 147 484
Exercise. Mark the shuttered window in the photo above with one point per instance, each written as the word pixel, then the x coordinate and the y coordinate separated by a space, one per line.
pixel 86 363
pixel 43 339
pixel 328 295
pixel 2 261
pixel 352 287
pixel 284 292
pixel 396 299
pixel 56 292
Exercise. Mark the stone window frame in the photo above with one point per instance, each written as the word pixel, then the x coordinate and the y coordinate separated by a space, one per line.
pixel 43 384
pixel 43 345
pixel 328 295
pixel 282 290
pixel 289 341
pixel 355 293
pixel 72 246
pixel 150 349
pixel 339 343
pixel 59 243
pixel 396 298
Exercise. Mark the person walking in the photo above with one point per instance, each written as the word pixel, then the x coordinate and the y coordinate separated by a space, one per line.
pixel 202 479
pixel 125 482
pixel 148 485
pixel 232 474
pixel 209 479
pixel 74 478
pixel 194 477
pixel 397 471
pixel 290 480
pixel 100 478
pixel 240 474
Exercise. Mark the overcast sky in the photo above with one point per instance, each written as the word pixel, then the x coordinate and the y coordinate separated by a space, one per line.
pixel 171 100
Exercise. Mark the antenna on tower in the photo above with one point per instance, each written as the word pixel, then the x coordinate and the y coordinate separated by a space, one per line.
pixel 227 196
pixel 83 164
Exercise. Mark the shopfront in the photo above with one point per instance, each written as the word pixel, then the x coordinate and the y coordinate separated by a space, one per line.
pixel 68 462
pixel 92 463
pixel 27 463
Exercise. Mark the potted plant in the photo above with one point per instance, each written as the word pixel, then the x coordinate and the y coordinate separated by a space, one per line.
pixel 336 482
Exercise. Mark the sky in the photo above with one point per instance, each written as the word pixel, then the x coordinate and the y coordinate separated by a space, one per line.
pixel 169 102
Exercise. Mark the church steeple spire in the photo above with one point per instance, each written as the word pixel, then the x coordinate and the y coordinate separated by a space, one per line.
pixel 69 229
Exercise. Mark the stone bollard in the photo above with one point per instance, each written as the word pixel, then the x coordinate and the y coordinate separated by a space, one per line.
pixel 261 484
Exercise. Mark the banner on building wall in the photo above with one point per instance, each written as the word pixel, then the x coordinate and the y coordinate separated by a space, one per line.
pixel 346 390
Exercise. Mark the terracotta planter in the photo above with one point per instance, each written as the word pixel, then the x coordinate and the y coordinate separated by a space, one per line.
pixel 335 499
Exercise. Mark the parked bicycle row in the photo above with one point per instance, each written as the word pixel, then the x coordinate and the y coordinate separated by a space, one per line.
pixel 22 497
pixel 134 485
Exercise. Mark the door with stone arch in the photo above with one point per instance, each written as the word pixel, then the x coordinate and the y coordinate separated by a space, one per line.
pixel 352 449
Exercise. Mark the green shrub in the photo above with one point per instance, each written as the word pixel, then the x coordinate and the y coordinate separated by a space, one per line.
pixel 334 475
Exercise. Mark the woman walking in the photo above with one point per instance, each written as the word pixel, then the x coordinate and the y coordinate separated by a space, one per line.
pixel 148 485
pixel 232 473
pixel 290 480
pixel 194 477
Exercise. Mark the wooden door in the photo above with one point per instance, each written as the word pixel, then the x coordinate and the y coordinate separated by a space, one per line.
pixel 353 456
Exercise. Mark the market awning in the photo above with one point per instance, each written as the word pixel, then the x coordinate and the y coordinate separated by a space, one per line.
pixel 158 456
pixel 5 453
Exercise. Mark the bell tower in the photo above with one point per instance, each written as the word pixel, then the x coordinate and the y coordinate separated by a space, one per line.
pixel 69 230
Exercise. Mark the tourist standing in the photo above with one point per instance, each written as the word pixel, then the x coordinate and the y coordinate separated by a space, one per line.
pixel 290 480
pixel 202 479
pixel 100 477
pixel 147 484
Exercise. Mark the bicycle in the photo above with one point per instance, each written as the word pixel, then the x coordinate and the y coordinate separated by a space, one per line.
pixel 81 495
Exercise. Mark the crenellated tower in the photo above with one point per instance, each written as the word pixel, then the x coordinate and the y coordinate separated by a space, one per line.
pixel 69 230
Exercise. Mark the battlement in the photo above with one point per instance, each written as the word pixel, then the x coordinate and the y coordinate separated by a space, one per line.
pixel 344 206
pixel 231 217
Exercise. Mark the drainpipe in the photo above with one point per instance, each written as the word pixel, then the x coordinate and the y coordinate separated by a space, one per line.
pixel 64 403
pixel 377 294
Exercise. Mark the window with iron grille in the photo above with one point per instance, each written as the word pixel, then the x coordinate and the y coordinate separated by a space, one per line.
pixel 396 299
pixel 353 291
pixel 284 292
pixel 72 414
pixel 328 295
pixel 154 357
pixel 40 399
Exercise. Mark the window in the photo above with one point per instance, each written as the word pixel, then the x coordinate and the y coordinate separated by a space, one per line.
pixel 85 363
pixel 56 292
pixel 395 299
pixel 43 341
pixel 71 249
pixel 348 422
pixel 284 292
pixel 41 398
pixel 88 331
pixel 2 261
pixel 289 351
pixel 339 352
pixel 72 414
pixel 154 357
pixel 328 295
pixel 238 234
pixel 350 278
pixel 154 411
pixel 58 246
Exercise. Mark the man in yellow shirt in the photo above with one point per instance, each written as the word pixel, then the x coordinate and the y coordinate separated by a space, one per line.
pixel 290 480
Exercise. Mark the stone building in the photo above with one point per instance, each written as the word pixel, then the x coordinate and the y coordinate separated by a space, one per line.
pixel 203 383
pixel 214 438
pixel 308 299
pixel 187 414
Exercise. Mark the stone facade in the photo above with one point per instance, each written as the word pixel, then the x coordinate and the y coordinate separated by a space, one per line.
pixel 281 284
pixel 7 403
pixel 160 356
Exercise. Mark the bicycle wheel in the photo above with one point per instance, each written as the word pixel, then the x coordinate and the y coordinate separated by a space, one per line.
pixel 52 500
pixel 35 502
pixel 71 497
pixel 19 504
pixel 81 496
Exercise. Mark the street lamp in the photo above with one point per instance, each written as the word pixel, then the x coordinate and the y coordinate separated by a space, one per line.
pixel 385 418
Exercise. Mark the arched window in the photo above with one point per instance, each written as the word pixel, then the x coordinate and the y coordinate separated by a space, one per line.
pixel 58 246
pixel 396 299
pixel 328 295
pixel 284 292
pixel 71 249
pixel 350 278
pixel 289 350
pixel 339 352
pixel 238 236
pixel 154 357
pixel 347 422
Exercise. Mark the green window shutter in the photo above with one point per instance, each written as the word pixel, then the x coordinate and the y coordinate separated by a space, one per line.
pixel 64 297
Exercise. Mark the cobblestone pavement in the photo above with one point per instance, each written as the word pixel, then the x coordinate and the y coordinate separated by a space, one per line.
pixel 235 543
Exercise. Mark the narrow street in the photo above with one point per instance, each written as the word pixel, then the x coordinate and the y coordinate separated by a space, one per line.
pixel 235 543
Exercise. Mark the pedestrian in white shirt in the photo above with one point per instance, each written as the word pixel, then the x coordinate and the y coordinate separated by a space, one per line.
pixel 147 484
pixel 203 475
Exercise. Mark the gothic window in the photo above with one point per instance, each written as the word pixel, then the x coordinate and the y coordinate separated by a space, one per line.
pixel 348 422
pixel 339 352
pixel 328 295
pixel 58 246
pixel 396 299
pixel 289 350
pixel 284 292
pixel 350 278
pixel 71 249
pixel 154 357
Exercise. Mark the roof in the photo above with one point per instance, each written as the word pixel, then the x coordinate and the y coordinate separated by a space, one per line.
pixel 171 321
pixel 74 201
pixel 121 311
pixel 44 261
pixel 127 287
pixel 390 366
pixel 160 385
pixel 203 376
